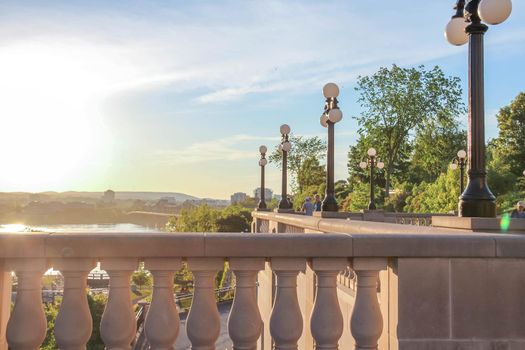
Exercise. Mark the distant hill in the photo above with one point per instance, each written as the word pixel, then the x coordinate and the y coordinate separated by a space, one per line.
pixel 80 195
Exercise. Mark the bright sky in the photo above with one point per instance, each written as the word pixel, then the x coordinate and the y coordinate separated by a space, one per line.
pixel 178 95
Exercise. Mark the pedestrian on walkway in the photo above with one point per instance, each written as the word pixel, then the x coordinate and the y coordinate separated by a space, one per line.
pixel 519 212
pixel 318 204
pixel 308 207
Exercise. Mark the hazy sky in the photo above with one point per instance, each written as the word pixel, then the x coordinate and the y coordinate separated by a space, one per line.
pixel 178 95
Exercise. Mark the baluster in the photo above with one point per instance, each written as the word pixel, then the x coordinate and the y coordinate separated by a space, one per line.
pixel 204 324
pixel 73 324
pixel 26 328
pixel 326 322
pixel 367 323
pixel 286 321
pixel 244 322
pixel 162 320
pixel 5 302
pixel 118 325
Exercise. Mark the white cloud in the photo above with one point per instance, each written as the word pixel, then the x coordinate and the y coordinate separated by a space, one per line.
pixel 233 49
pixel 235 147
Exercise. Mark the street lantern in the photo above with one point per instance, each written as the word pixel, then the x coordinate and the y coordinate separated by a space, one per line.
pixel 465 26
pixel 460 161
pixel 331 115
pixel 373 161
pixel 262 163
pixel 285 146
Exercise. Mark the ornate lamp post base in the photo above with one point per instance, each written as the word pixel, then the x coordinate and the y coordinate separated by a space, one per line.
pixel 477 208
pixel 477 200
pixel 330 204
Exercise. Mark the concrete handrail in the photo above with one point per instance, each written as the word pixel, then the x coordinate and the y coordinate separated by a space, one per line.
pixel 349 239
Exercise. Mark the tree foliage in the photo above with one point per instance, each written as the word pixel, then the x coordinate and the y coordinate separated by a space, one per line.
pixel 304 149
pixel 401 105
pixel 509 146
pixel 359 198
pixel 202 218
pixel 96 304
pixel 141 277
pixel 440 196
pixel 234 218
pixel 311 173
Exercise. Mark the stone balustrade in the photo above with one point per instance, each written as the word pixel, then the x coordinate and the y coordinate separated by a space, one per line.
pixel 273 305
pixel 442 289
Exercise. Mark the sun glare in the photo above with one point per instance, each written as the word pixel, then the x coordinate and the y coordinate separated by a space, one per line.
pixel 48 117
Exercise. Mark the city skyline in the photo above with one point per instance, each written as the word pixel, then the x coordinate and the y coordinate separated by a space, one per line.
pixel 178 96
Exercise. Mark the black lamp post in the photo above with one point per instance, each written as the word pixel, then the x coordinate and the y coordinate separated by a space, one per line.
pixel 262 164
pixel 331 115
pixel 285 147
pixel 460 161
pixel 465 26
pixel 373 162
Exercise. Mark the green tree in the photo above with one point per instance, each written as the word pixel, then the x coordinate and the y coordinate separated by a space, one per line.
pixel 97 303
pixel 311 173
pixel 303 148
pixel 509 146
pixel 500 178
pixel 434 148
pixel 198 219
pixel 51 312
pixel 359 198
pixel 341 189
pixel 234 218
pixel 141 277
pixel 398 104
pixel 357 154
pixel 440 196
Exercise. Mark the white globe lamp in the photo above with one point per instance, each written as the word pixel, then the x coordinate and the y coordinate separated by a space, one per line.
pixel 285 129
pixel 324 120
pixel 335 115
pixel 494 11
pixel 455 31
pixel 330 90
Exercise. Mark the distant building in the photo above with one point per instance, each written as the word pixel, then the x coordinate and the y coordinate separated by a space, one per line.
pixel 238 197
pixel 108 197
pixel 268 194
pixel 166 205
